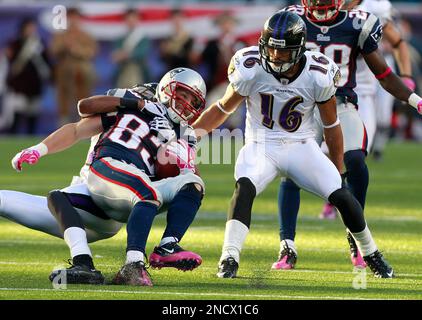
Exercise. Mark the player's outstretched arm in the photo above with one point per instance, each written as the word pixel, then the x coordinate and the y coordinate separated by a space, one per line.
pixel 401 53
pixel 390 81
pixel 332 131
pixel 103 104
pixel 218 112
pixel 61 139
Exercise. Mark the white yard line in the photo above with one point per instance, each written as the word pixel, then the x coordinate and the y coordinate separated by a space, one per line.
pixel 215 268
pixel 208 294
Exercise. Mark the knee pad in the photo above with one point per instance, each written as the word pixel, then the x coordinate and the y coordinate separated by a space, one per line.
pixel 242 200
pixel 349 208
pixel 63 211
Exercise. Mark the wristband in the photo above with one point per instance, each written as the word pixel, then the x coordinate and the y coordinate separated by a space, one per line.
pixel 41 148
pixel 129 103
pixel 336 123
pixel 386 73
pixel 219 106
pixel 414 100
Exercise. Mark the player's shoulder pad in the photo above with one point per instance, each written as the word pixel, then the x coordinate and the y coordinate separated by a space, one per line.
pixel 323 70
pixel 244 64
pixel 369 28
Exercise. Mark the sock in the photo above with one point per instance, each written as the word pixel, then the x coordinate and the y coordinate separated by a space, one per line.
pixel 182 211
pixel 365 242
pixel 139 225
pixel 134 256
pixel 166 240
pixel 75 238
pixel 288 208
pixel 288 243
pixel 234 237
pixel 357 174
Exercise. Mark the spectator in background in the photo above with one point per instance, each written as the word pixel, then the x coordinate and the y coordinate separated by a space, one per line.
pixel 74 50
pixel 130 54
pixel 177 50
pixel 216 58
pixel 27 74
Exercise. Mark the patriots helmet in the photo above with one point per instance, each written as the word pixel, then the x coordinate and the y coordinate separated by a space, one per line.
pixel 322 10
pixel 171 92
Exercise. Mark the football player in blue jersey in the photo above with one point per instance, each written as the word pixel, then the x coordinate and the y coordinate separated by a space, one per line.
pixel 119 178
pixel 343 36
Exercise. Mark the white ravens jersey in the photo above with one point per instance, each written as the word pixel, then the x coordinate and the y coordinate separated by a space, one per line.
pixel 282 109
pixel 366 83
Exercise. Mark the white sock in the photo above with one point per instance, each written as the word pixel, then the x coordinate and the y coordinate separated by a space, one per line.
pixel 134 256
pixel 76 240
pixel 289 243
pixel 365 242
pixel 167 240
pixel 234 237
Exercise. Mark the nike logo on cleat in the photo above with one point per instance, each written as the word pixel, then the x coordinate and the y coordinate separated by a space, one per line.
pixel 167 250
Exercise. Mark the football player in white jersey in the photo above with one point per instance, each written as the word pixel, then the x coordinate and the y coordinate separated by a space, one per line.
pixel 282 83
pixel 97 222
pixel 371 110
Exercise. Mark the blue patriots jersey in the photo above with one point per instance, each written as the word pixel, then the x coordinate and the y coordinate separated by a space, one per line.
pixel 352 33
pixel 127 136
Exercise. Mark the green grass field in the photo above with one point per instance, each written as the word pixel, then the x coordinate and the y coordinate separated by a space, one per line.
pixel 324 271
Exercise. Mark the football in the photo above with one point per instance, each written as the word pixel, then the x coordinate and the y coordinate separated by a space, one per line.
pixel 165 165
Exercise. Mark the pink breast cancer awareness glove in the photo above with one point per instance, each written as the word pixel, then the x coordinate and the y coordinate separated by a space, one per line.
pixel 184 154
pixel 25 156
pixel 409 83
pixel 420 107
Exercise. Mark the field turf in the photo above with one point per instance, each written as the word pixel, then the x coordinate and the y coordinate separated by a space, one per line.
pixel 324 271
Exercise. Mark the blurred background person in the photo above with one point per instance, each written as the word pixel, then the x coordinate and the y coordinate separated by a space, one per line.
pixel 177 49
pixel 74 50
pixel 130 54
pixel 26 77
pixel 216 58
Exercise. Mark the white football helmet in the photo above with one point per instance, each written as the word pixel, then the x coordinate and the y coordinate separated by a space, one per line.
pixel 178 108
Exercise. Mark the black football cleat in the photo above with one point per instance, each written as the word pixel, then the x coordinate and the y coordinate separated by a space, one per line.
pixel 173 255
pixel 78 274
pixel 379 265
pixel 133 274
pixel 228 268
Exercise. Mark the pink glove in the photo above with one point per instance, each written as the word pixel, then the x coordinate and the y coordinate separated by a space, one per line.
pixel 184 154
pixel 26 156
pixel 409 83
pixel 420 107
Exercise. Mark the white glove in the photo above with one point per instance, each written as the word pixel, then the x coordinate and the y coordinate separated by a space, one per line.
pixel 184 154
pixel 162 129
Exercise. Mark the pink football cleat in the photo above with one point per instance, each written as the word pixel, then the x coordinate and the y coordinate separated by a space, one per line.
pixel 173 256
pixel 329 212
pixel 286 260
pixel 355 256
